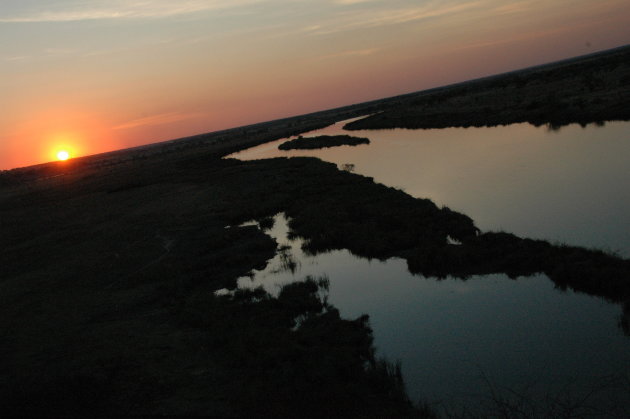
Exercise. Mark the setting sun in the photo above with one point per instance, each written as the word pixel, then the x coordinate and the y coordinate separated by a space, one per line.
pixel 63 155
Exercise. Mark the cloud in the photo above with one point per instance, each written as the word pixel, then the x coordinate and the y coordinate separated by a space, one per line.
pixel 159 119
pixel 350 2
pixel 377 17
pixel 352 53
pixel 60 51
pixel 71 10
pixel 527 36
pixel 16 58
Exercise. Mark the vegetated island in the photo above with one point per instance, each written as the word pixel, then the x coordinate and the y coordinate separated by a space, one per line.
pixel 113 312
pixel 322 141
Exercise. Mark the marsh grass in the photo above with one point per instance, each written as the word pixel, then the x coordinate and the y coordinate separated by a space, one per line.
pixel 288 263
pixel 603 397
pixel 322 141
pixel 298 356
pixel 266 223
pixel 585 90
pixel 96 314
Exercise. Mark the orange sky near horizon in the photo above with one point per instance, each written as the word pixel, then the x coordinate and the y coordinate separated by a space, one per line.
pixel 112 74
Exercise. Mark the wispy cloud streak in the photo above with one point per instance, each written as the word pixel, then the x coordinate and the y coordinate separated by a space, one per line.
pixel 71 11
pixel 351 53
pixel 350 2
pixel 371 18
pixel 159 119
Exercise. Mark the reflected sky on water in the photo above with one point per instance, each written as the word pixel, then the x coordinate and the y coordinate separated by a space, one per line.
pixel 566 186
pixel 454 337
pixel 450 334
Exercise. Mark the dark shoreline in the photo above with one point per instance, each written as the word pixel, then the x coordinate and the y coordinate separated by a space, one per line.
pixel 581 91
pixel 109 264
pixel 322 141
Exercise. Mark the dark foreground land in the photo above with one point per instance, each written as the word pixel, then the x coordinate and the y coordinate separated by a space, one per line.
pixel 322 141
pixel 109 264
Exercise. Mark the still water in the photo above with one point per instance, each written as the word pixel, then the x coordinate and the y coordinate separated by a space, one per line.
pixel 460 341
pixel 568 186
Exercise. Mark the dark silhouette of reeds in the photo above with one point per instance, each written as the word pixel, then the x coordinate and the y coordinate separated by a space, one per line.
pixel 322 141
pixel 298 357
pixel 585 90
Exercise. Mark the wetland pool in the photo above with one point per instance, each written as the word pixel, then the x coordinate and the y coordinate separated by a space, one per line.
pixel 462 343
pixel 567 186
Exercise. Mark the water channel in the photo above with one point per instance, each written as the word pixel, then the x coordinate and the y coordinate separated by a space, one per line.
pixel 461 341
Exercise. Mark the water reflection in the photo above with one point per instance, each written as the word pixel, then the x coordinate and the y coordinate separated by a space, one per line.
pixel 567 186
pixel 455 338
pixel 459 338
pixel 551 126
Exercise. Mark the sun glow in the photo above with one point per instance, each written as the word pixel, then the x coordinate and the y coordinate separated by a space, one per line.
pixel 63 155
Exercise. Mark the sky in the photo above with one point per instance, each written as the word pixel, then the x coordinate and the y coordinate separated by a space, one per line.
pixel 100 75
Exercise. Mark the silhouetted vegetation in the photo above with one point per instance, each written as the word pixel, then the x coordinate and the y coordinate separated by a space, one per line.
pixel 110 263
pixel 98 287
pixel 290 356
pixel 348 167
pixel 584 90
pixel 287 261
pixel 97 284
pixel 589 271
pixel 624 318
pixel 572 401
pixel 322 141
pixel 266 223
pixel 293 356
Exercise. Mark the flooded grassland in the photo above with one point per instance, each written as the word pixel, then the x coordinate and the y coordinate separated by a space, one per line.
pixel 110 266
pixel 489 332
